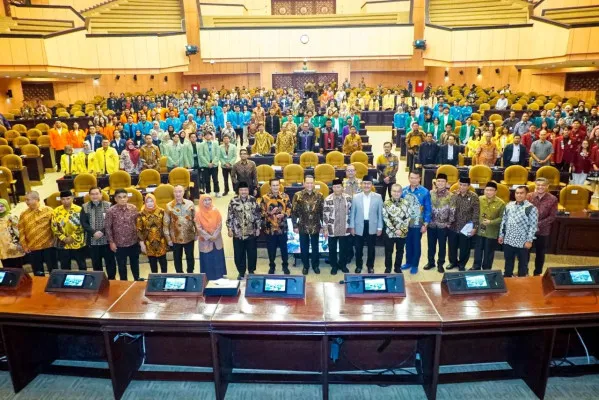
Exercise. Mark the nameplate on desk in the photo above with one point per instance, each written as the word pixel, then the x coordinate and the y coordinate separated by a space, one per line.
pixel 11 279
pixel 277 168
pixel 176 285
pixel 470 282
pixel 76 281
pixel 572 278
pixel 374 285
pixel 276 286
pixel 222 287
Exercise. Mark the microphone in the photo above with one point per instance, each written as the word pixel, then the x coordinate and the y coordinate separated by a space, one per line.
pixel 493 272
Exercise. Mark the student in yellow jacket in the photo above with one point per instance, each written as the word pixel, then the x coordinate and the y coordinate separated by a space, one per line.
pixel 86 160
pixel 107 159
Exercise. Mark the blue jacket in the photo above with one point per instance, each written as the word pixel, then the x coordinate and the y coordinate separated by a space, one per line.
pixel 145 128
pixel 175 122
pixel 200 121
pixel 424 198
pixel 129 130
pixel 97 141
pixel 456 112
pixel 236 119
pixel 247 116
pixel 219 119
pixel 399 120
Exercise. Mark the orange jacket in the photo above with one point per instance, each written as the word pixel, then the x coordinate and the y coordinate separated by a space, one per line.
pixel 76 139
pixel 58 140
pixel 124 118
pixel 108 132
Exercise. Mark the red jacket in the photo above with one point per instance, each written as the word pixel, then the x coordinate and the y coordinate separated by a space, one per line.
pixel 579 135
pixel 563 152
pixel 581 164
pixel 595 156
pixel 527 139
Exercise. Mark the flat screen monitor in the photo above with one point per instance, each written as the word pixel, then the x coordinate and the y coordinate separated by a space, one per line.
pixel 275 285
pixel 476 282
pixel 375 285
pixel 175 283
pixel 583 277
pixel 2 275
pixel 74 281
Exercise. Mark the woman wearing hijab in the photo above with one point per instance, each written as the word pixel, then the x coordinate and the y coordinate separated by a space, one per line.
pixel 133 156
pixel 11 253
pixel 151 234
pixel 86 159
pixel 209 225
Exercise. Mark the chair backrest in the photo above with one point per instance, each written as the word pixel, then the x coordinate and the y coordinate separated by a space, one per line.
pixel 515 175
pixel 453 175
pixel 293 173
pixel 53 200
pixel 480 174
pixel 3 142
pixel 34 133
pixel 309 159
pixel 550 173
pixel 359 156
pixel 361 169
pixel 265 173
pixel 322 188
pixel 84 182
pixel 42 127
pixel 11 134
pixel 5 150
pixel 265 188
pixel 179 176
pixel 164 194
pixel 148 177
pixel 136 198
pixel 503 192
pixel 283 159
pixel 30 150
pixel 336 159
pixel 12 162
pixel 324 173
pixel 20 141
pixel 43 141
pixel 105 197
pixel 574 198
pixel 20 128
pixel 163 166
pixel 119 180
pixel 6 176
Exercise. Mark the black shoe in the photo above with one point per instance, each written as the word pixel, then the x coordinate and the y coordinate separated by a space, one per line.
pixel 271 270
pixel 371 270
pixel 305 271
pixel 387 270
pixel 451 266
pixel 240 277
pixel 397 270
pixel 286 271
pixel 226 193
pixel 429 266
pixel 358 270
pixel 316 270
pixel 333 271
pixel 440 269
pixel 461 269
pixel 475 269
pixel 252 272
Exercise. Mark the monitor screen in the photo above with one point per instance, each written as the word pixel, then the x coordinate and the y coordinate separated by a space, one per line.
pixel 581 277
pixel 71 280
pixel 375 285
pixel 476 282
pixel 175 283
pixel 2 275
pixel 275 285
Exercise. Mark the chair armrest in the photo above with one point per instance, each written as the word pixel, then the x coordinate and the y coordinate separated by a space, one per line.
pixel 560 207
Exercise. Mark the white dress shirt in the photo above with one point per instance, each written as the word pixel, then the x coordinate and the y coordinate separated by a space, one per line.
pixel 515 154
pixel 366 206
pixel 450 152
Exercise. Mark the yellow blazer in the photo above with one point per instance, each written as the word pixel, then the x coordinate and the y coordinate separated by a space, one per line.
pixel 108 157
pixel 91 163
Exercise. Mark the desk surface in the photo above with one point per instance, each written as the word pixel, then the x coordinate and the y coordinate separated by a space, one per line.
pixel 134 305
pixel 240 312
pixel 525 303
pixel 34 303
pixel 413 310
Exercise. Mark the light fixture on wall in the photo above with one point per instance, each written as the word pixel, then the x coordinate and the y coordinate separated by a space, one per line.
pixel 151 77
pixel 212 61
pixel 166 79
pixel 497 71
pixel 479 72
pixel 461 72
pixel 304 39
pixel 135 78
pixel 96 81
pixel 117 77
pixel 446 75
pixel 9 94
pixel 190 50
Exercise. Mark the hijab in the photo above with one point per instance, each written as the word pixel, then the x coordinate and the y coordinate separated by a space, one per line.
pixel 133 152
pixel 145 207
pixel 6 208
pixel 208 218
pixel 87 149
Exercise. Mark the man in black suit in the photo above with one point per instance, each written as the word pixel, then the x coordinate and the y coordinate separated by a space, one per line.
pixel 448 153
pixel 272 124
pixel 515 153
pixel 428 151
pixel 94 139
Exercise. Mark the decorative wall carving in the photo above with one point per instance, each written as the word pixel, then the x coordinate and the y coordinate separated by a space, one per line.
pixel 302 7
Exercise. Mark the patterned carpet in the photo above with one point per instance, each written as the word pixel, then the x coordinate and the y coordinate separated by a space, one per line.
pixel 49 387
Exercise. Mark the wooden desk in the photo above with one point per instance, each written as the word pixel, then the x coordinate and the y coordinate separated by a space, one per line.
pixel 39 328
pixel 405 326
pixel 49 158
pixel 575 234
pixel 518 327
pixel 176 331
pixel 23 185
pixel 270 334
pixel 35 168
pixel 4 192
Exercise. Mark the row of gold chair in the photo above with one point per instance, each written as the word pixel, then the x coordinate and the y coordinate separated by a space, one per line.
pixel 294 173
pixel 310 159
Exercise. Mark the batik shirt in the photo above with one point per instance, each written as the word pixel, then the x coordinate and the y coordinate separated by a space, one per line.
pixel 307 211
pixel 519 224
pixel 272 224
pixel 244 217
pixel 397 215
pixel 179 222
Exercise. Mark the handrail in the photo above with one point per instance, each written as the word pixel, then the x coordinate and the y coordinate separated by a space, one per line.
pixel 239 4
pixel 99 5
pixel 474 28
pixel 39 35
pixel 77 13
pixel 380 1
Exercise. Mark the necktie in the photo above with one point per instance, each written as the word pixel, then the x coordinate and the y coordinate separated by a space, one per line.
pixel 195 156
pixel 70 170
pixel 86 161
pixel 105 169
pixel 210 150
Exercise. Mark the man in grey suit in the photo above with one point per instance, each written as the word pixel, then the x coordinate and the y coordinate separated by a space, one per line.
pixel 366 223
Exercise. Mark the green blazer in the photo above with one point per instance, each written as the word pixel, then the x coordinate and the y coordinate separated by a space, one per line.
pixel 188 153
pixel 230 158
pixel 204 154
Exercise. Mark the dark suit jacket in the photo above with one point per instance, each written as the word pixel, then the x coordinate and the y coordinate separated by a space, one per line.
pixel 272 125
pixel 427 153
pixel 97 141
pixel 443 152
pixel 509 151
